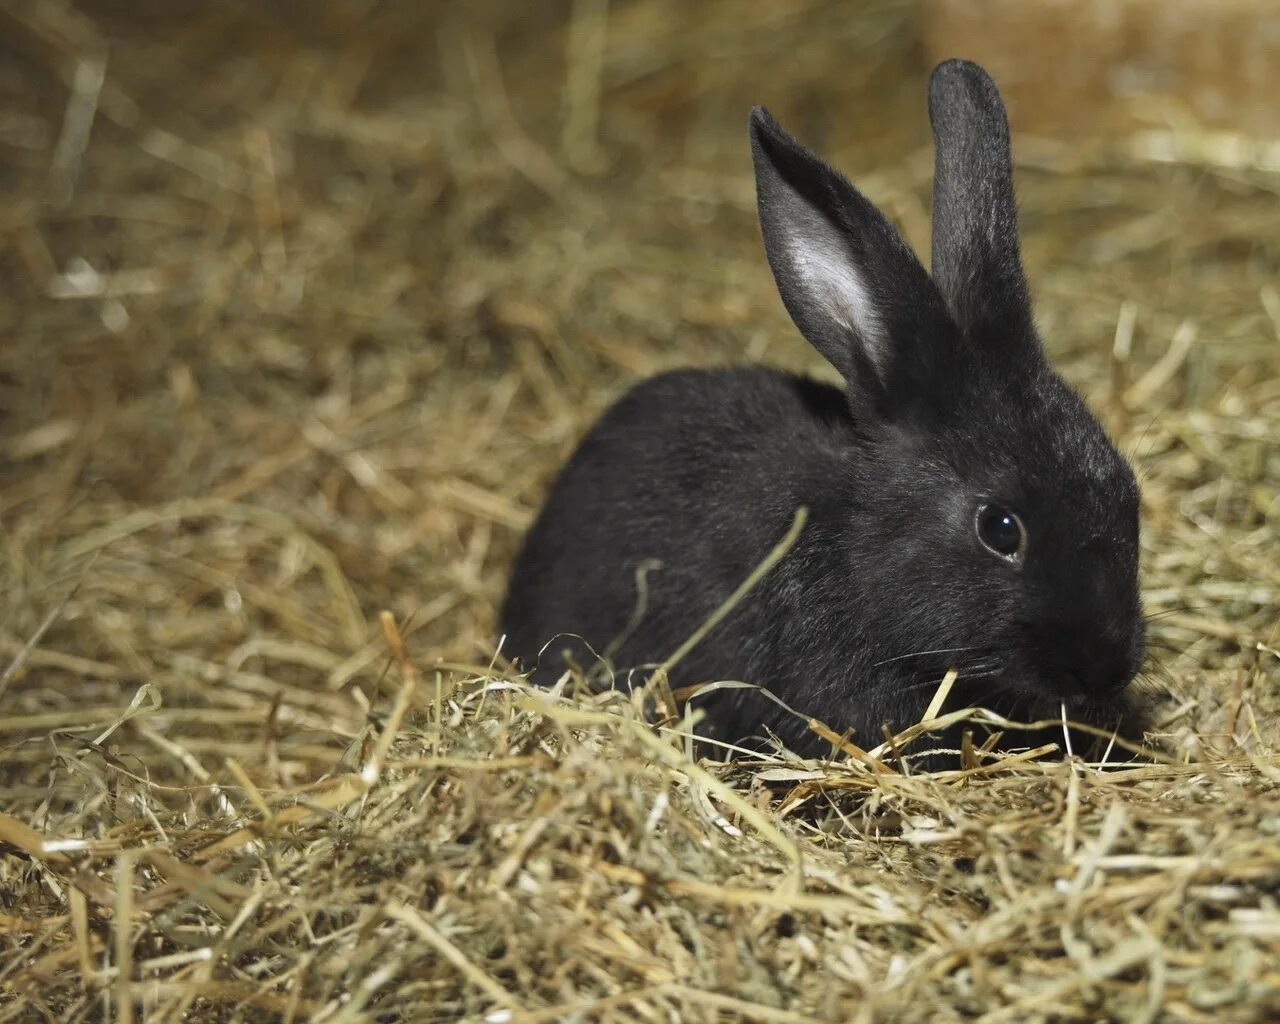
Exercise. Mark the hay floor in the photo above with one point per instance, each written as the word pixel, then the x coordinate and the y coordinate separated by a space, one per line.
pixel 299 312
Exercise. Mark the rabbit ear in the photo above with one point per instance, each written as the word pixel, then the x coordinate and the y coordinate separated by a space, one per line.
pixel 976 265
pixel 849 280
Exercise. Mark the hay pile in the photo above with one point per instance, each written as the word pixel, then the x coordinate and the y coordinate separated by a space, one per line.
pixel 299 312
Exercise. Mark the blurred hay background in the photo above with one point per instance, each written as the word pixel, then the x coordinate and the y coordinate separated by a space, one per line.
pixel 301 307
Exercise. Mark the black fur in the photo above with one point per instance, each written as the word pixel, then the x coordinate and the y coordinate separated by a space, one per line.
pixel 949 403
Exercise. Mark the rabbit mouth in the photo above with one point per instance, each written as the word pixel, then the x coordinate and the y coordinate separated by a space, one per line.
pixel 1054 690
pixel 1041 704
pixel 1095 684
pixel 1091 707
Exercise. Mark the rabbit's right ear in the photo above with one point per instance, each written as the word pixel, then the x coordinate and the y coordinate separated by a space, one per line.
pixel 976 264
pixel 849 280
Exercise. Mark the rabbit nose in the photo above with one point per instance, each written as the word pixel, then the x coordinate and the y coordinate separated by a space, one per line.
pixel 1108 669
pixel 1083 662
pixel 1110 685
pixel 1076 685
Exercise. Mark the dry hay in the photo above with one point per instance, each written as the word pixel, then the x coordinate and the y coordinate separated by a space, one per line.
pixel 296 334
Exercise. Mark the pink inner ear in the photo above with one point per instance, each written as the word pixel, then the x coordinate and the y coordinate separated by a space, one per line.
pixel 833 284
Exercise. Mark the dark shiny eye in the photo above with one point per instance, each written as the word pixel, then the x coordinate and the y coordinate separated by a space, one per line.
pixel 1001 531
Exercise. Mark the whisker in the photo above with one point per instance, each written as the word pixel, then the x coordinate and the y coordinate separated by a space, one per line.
pixel 1152 616
pixel 1155 417
pixel 921 654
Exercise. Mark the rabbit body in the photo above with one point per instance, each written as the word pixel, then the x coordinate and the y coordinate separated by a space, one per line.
pixel 965 509
pixel 668 460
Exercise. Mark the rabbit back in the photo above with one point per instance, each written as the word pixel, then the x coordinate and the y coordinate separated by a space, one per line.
pixel 681 488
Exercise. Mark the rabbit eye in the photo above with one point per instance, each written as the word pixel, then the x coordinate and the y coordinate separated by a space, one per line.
pixel 1001 532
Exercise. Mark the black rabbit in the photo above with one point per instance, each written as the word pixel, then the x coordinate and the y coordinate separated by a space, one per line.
pixel 965 507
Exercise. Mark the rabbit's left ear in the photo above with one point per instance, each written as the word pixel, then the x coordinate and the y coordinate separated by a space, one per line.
pixel 847 277
pixel 976 263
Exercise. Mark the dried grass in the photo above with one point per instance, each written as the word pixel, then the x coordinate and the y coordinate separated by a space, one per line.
pixel 301 310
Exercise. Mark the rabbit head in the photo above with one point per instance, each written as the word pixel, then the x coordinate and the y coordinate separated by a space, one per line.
pixel 992 524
